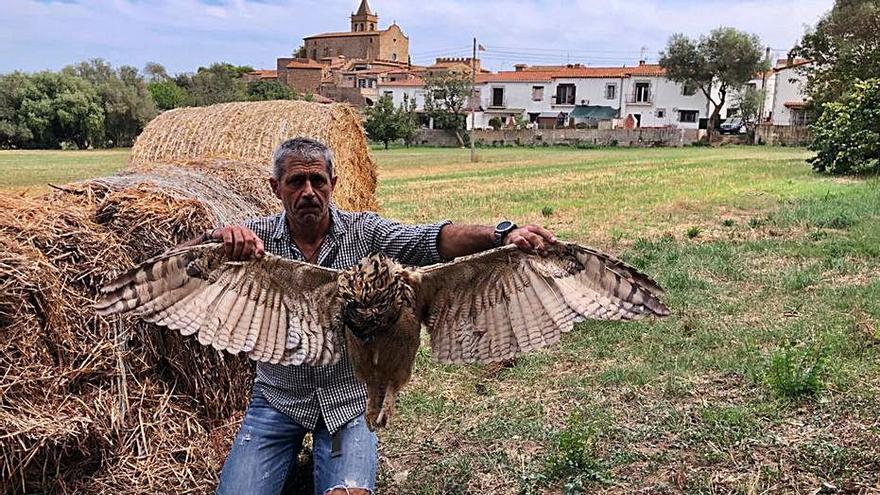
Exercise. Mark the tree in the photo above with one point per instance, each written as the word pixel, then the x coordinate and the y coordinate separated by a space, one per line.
pixel 407 120
pixel 300 52
pixel 49 109
pixel 844 47
pixel 446 96
pixel 167 94
pixel 218 83
pixel 128 104
pixel 748 101
pixel 269 90
pixel 847 134
pixel 725 59
pixel 382 122
pixel 155 72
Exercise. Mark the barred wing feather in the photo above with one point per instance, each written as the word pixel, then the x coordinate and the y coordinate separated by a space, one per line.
pixel 275 310
pixel 495 305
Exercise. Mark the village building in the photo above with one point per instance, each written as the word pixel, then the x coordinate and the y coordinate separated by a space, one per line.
pixel 789 100
pixel 568 95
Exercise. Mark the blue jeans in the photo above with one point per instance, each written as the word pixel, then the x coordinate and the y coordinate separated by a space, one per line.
pixel 268 443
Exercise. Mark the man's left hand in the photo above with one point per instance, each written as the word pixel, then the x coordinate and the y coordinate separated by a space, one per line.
pixel 531 239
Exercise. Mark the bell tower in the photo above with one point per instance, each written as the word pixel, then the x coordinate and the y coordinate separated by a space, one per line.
pixel 364 19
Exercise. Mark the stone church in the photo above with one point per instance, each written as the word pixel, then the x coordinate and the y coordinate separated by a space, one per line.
pixel 365 41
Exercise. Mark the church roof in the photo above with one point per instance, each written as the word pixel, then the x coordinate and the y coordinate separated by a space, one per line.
pixel 364 9
pixel 342 34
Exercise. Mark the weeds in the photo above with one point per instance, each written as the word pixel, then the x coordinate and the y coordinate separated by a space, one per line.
pixel 796 372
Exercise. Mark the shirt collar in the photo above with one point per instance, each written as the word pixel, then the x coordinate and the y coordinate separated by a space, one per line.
pixel 337 224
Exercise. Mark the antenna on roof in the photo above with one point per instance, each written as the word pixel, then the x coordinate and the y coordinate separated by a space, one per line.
pixel 642 55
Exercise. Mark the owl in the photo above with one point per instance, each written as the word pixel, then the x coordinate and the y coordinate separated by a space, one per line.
pixel 483 308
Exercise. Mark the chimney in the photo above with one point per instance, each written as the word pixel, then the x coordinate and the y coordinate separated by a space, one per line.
pixel 520 67
pixel 641 63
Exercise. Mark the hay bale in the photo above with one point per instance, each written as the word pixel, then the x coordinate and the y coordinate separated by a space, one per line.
pixel 95 405
pixel 248 132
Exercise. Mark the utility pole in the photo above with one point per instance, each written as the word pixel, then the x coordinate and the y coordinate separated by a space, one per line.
pixel 763 95
pixel 471 99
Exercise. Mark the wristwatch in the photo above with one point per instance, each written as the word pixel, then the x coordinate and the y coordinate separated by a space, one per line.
pixel 503 228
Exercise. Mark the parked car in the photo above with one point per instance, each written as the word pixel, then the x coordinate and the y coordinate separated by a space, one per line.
pixel 732 125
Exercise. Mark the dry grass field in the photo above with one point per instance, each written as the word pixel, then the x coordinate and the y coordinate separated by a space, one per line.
pixel 765 380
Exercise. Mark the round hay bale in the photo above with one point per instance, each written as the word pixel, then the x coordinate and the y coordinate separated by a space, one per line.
pixel 248 132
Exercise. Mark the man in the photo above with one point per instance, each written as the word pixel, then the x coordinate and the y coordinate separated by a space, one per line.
pixel 328 401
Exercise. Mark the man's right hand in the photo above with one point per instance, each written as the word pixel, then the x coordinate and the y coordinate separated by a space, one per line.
pixel 240 243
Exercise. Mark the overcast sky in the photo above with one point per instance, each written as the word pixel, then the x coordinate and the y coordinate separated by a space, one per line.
pixel 184 34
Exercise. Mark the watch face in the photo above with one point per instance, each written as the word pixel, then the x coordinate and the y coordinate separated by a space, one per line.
pixel 503 225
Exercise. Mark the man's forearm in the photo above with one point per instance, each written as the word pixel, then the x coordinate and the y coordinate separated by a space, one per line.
pixel 460 239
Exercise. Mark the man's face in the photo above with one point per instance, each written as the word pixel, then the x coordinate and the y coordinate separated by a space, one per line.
pixel 305 189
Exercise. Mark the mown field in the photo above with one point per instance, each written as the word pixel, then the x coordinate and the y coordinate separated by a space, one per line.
pixel 765 379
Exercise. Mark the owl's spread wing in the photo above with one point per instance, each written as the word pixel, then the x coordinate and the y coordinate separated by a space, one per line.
pixel 498 304
pixel 275 310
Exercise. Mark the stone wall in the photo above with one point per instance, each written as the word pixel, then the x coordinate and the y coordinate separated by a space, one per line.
pixel 600 137
pixel 786 135
pixel 572 137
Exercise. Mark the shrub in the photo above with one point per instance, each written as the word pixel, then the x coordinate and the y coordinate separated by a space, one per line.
pixel 575 460
pixel 693 232
pixel 847 134
pixel 547 211
pixel 495 123
pixel 794 372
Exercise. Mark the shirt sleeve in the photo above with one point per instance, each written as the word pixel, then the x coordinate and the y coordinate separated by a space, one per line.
pixel 409 244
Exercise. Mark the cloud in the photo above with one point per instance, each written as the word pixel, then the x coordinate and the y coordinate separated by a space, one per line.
pixel 184 34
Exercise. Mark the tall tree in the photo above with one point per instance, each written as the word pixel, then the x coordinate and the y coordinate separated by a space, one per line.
pixel 269 90
pixel 217 83
pixel 382 123
pixel 128 104
pixel 48 110
pixel 407 120
pixel 725 59
pixel 844 47
pixel 167 94
pixel 446 96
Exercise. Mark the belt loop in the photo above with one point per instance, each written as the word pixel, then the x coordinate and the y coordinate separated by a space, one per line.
pixel 336 444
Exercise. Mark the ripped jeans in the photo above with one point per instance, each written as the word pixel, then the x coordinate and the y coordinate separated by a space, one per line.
pixel 265 452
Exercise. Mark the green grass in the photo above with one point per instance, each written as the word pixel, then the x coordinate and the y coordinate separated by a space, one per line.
pixel 32 170
pixel 766 378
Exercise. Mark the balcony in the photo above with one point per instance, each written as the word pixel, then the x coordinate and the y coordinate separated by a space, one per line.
pixel 641 98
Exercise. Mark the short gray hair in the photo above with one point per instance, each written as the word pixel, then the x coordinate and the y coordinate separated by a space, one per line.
pixel 300 148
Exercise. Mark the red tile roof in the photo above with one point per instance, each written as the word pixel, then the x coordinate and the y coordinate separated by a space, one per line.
pixel 310 64
pixel 414 82
pixel 342 34
pixel 783 63
pixel 265 73
pixel 646 70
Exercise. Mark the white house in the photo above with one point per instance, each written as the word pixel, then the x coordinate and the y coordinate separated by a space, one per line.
pixel 546 95
pixel 789 100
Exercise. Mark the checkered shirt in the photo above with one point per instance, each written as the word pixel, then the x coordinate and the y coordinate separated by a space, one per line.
pixel 306 393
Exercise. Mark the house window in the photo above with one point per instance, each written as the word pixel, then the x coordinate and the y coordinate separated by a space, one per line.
pixel 799 116
pixel 537 93
pixel 565 94
pixel 389 94
pixel 393 56
pixel 643 92
pixel 497 97
pixel 687 116
pixel 610 91
pixel 661 113
pixel 688 89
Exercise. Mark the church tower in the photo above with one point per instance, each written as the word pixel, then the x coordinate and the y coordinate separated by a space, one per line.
pixel 364 19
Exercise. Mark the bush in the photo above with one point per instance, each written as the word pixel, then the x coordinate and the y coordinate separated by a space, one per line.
pixel 847 134
pixel 495 123
pixel 794 372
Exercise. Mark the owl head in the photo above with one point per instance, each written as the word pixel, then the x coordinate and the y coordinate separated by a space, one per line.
pixel 373 292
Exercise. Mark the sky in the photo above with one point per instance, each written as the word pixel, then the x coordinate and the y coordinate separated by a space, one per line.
pixel 185 34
